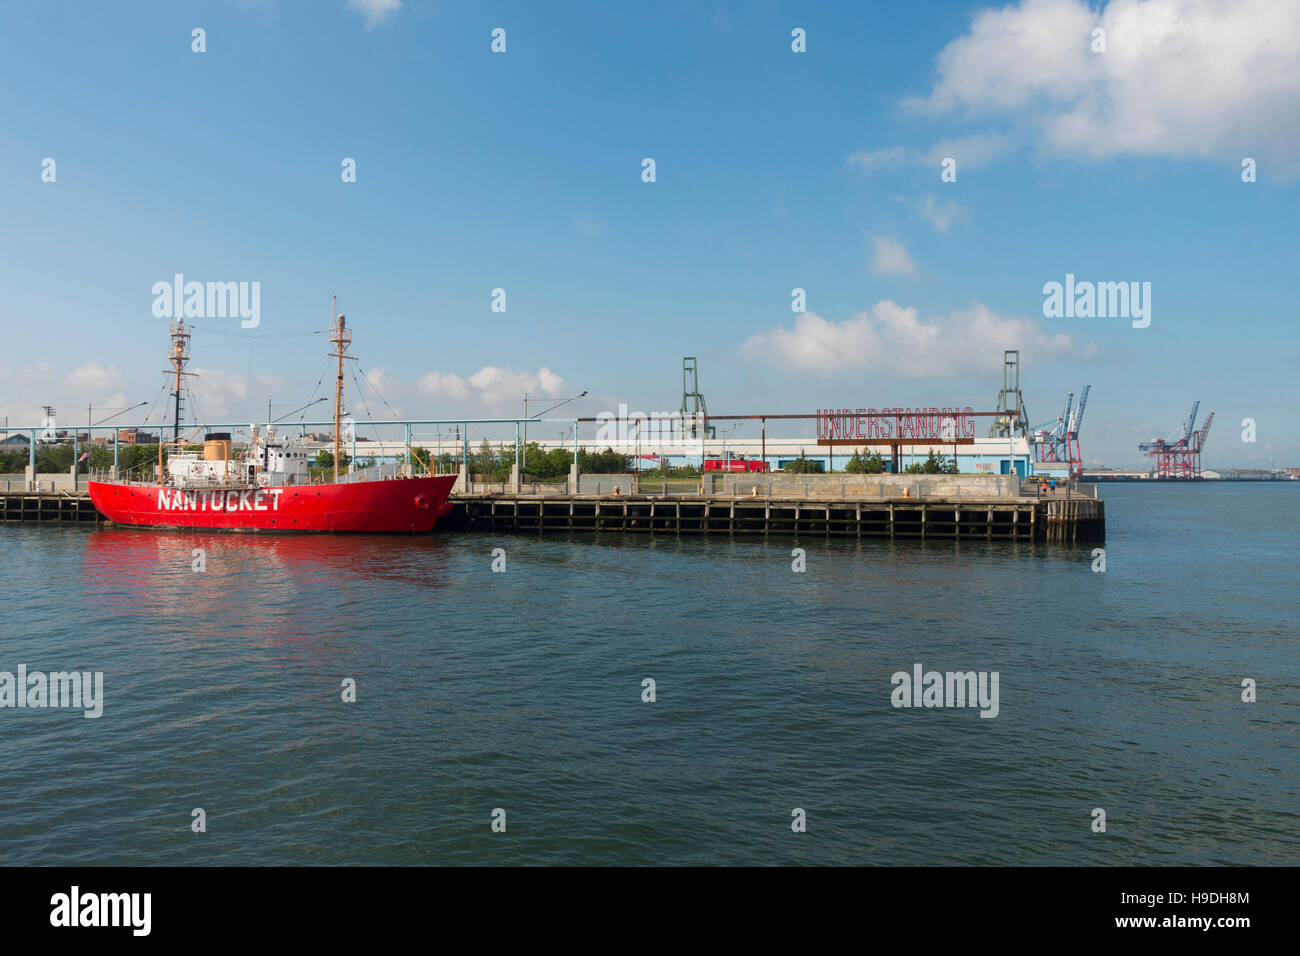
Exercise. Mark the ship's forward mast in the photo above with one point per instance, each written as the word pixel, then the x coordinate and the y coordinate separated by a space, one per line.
pixel 178 354
pixel 341 337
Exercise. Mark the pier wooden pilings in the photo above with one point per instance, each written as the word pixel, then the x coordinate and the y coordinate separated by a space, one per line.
pixel 1075 520
pixel 48 506
pixel 1065 521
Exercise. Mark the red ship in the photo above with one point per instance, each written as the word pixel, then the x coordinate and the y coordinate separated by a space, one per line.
pixel 269 487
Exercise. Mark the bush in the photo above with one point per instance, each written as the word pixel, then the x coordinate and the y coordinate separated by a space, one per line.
pixel 933 465
pixel 542 465
pixel 668 471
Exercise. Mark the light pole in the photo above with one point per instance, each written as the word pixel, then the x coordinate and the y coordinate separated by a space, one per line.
pixel 1011 450
pixel 726 454
pixel 523 453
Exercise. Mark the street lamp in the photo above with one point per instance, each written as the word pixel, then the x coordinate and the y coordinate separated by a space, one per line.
pixel 523 455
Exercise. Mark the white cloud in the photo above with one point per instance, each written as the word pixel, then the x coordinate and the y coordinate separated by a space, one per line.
pixel 1181 78
pixel 1016 55
pixel 590 227
pixel 446 385
pixel 938 214
pixel 892 338
pixel 887 157
pixel 375 11
pixel 90 389
pixel 221 396
pixel 968 151
pixel 890 258
pixel 381 393
pixel 93 377
pixel 494 387
pixel 380 381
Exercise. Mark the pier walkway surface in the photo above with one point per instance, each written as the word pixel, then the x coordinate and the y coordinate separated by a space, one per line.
pixel 992 507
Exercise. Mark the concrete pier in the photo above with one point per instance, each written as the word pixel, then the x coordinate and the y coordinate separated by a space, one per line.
pixel 1029 519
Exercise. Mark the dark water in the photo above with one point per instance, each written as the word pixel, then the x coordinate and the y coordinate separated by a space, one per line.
pixel 522 690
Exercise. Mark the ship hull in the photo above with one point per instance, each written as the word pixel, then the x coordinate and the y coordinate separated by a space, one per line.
pixel 401 505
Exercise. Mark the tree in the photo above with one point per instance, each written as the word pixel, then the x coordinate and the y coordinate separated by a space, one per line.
pixel 804 466
pixel 939 465
pixel 864 464
pixel 325 459
pixel 13 461
pixel 607 462
pixel 420 458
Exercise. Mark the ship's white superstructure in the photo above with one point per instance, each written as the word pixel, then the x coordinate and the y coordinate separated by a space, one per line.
pixel 265 463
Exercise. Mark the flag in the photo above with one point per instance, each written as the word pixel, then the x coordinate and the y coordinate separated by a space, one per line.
pixel 84 456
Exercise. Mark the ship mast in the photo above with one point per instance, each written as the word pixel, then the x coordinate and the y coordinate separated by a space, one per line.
pixel 178 355
pixel 341 336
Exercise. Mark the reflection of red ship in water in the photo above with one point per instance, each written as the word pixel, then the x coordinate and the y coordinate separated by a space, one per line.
pixel 143 565
pixel 150 575
pixel 268 487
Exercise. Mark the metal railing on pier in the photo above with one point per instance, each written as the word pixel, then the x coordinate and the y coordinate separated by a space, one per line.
pixel 807 487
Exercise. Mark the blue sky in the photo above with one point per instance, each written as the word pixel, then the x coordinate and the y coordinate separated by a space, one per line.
pixel 775 170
